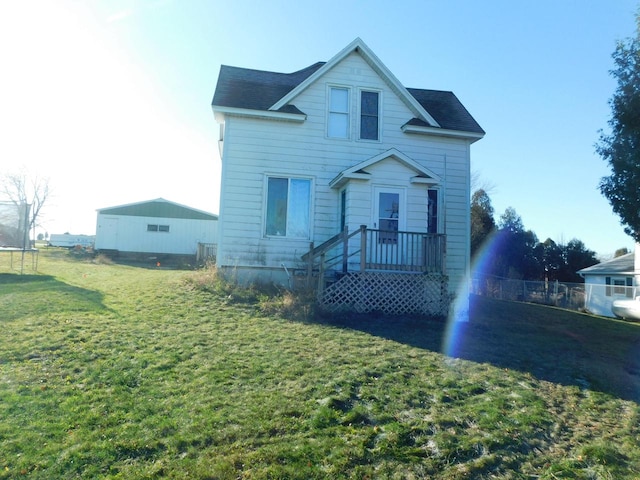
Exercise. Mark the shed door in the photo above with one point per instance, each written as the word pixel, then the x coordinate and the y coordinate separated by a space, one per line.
pixel 109 233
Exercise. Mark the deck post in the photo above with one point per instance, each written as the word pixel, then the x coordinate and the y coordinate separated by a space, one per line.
pixel 363 247
pixel 321 275
pixel 310 266
pixel 345 249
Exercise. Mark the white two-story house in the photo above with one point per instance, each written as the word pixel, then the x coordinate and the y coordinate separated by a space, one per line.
pixel 337 171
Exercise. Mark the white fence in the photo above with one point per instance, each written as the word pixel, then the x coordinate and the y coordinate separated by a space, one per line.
pixel 560 294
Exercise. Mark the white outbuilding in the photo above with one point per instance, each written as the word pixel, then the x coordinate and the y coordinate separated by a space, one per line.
pixel 607 282
pixel 155 227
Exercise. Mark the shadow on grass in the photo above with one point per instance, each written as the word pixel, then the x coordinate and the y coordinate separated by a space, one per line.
pixel 28 295
pixel 554 345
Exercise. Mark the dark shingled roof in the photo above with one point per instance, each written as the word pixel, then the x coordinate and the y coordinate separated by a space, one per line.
pixel 259 90
pixel 446 109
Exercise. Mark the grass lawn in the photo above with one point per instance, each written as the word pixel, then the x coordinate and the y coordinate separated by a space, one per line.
pixel 115 371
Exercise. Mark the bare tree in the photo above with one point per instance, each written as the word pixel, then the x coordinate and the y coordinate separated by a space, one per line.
pixel 21 188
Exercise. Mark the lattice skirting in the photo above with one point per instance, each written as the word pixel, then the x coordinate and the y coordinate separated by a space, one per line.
pixel 389 293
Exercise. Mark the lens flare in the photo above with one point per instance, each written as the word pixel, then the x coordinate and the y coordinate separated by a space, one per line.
pixel 461 312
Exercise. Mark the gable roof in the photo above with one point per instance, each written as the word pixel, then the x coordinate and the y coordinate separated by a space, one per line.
pixel 241 89
pixel 158 208
pixel 358 172
pixel 623 264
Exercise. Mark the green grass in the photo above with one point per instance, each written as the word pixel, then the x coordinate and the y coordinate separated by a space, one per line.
pixel 113 371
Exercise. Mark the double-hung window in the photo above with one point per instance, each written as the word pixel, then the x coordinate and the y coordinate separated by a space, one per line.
pixel 369 115
pixel 619 286
pixel 338 123
pixel 288 207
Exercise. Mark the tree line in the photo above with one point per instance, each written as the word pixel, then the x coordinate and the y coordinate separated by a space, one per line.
pixel 517 253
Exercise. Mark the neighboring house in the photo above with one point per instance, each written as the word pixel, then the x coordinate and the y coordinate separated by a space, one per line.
pixel 340 161
pixel 609 281
pixel 154 227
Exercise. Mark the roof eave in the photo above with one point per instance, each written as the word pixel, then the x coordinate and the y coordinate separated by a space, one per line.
pixel 221 112
pixel 343 178
pixel 442 132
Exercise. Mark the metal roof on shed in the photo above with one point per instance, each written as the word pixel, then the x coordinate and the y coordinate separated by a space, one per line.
pixel 159 208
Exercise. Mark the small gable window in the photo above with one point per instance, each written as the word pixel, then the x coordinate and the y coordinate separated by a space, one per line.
pixel 338 119
pixel 369 115
pixel 288 207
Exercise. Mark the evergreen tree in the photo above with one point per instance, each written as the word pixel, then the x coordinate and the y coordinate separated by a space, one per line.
pixel 621 147
pixel 482 222
pixel 576 256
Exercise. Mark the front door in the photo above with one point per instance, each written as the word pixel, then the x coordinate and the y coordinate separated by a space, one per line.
pixel 388 215
pixel 388 219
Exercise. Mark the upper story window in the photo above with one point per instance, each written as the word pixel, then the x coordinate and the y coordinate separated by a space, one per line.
pixel 288 207
pixel 369 115
pixel 338 122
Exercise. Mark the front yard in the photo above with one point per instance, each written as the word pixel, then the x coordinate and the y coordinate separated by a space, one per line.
pixel 113 371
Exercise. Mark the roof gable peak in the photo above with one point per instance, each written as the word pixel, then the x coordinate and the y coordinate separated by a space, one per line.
pixel 367 54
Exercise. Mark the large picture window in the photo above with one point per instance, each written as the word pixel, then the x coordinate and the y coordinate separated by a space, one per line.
pixel 338 120
pixel 288 205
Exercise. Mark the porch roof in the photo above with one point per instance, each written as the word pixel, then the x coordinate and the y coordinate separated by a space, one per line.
pixel 358 172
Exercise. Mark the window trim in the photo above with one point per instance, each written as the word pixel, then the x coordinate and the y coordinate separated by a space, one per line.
pixel 158 228
pixel 348 112
pixel 359 114
pixel 288 177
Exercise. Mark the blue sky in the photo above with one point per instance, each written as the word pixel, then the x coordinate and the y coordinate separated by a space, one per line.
pixel 111 99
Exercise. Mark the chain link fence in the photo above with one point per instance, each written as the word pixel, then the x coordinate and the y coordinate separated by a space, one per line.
pixel 559 294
